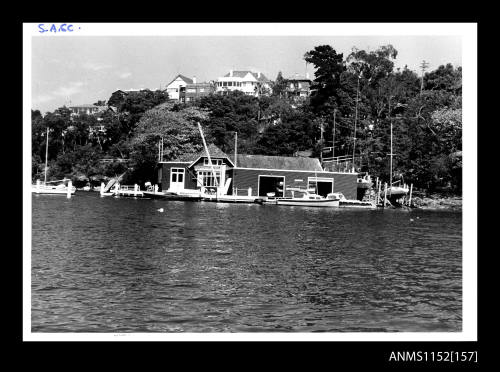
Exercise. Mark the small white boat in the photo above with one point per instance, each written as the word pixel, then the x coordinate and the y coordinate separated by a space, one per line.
pixel 44 188
pixel 397 191
pixel 310 200
pixel 354 203
pixel 40 188
pixel 394 193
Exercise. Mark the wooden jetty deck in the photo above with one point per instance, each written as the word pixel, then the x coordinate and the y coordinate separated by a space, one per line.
pixel 128 191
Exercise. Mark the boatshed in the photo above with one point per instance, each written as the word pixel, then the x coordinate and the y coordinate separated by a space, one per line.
pixel 256 175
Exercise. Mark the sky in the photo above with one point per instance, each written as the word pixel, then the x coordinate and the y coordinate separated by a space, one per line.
pixel 77 70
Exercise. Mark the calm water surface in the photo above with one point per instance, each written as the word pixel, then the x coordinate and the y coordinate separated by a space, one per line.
pixel 119 265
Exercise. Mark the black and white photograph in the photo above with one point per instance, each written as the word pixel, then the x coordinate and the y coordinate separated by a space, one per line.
pixel 249 181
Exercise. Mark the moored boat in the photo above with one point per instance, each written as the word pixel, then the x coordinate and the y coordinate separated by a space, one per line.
pixel 348 203
pixel 310 200
pixel 395 193
pixel 61 189
pixel 45 188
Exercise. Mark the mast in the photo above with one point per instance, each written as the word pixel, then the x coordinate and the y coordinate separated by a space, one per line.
pixel 390 178
pixel 355 122
pixel 321 144
pixel 333 143
pixel 46 156
pixel 390 119
pixel 235 148
pixel 235 191
pixel 208 155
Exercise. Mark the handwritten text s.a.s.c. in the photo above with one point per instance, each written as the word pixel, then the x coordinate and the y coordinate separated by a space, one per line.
pixel 53 28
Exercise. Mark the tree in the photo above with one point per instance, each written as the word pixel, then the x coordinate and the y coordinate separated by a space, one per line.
pixel 279 86
pixel 298 131
pixel 445 78
pixel 372 65
pixel 329 67
pixel 131 105
pixel 179 132
pixel 234 112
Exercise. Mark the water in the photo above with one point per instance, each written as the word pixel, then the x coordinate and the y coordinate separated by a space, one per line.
pixel 119 265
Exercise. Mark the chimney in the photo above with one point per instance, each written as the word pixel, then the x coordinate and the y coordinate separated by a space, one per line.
pixel 194 79
pixel 258 74
pixel 231 73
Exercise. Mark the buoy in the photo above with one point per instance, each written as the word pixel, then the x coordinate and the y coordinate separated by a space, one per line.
pixel 160 210
pixel 411 219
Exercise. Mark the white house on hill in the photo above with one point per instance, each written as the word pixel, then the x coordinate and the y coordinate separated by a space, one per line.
pixel 250 83
pixel 178 85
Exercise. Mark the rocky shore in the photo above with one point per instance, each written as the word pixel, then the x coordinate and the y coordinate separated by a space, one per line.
pixel 438 202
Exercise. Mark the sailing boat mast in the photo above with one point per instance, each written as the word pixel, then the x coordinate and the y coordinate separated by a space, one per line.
pixel 46 156
pixel 355 122
pixel 390 120
pixel 208 155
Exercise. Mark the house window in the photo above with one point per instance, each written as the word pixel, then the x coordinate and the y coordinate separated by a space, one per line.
pixel 177 174
pixel 230 84
pixel 207 178
pixel 224 83
pixel 214 161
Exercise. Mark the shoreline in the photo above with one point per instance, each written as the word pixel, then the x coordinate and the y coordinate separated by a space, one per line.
pixel 437 202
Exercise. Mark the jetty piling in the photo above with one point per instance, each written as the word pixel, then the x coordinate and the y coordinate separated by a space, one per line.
pixel 378 192
pixel 385 194
pixel 70 186
pixel 409 198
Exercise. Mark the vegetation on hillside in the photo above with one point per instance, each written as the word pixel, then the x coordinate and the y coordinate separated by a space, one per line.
pixel 426 119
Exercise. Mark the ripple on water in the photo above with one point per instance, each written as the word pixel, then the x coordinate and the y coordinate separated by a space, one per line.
pixel 107 265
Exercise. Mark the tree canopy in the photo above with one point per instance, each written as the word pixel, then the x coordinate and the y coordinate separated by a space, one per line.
pixel 362 90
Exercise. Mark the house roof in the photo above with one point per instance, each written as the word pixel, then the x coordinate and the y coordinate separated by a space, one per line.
pixel 85 105
pixel 257 161
pixel 278 162
pixel 242 74
pixel 214 151
pixel 186 79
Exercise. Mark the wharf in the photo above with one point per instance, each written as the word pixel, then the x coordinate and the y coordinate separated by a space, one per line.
pixel 128 191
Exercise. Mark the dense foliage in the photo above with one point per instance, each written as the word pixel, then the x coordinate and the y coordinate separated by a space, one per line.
pixel 426 120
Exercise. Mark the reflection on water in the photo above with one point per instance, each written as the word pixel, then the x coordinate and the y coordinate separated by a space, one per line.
pixel 119 265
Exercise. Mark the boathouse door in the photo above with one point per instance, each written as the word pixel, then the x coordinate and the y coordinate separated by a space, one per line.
pixel 271 186
pixel 177 179
pixel 320 185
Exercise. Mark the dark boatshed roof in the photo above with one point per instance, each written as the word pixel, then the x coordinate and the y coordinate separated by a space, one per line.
pixel 278 162
pixel 258 161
